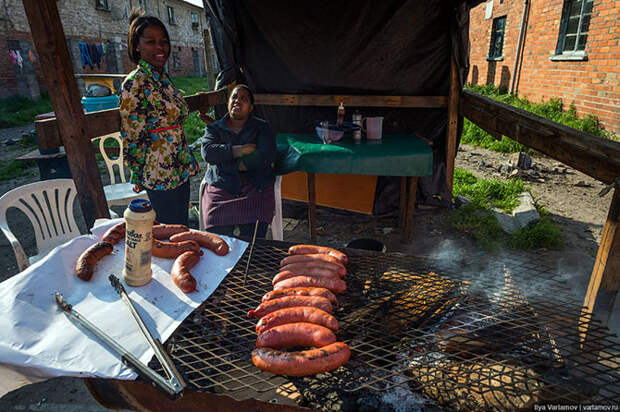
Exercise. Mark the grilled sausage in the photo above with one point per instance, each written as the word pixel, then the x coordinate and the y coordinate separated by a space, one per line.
pixel 301 291
pixel 287 274
pixel 85 265
pixel 180 271
pixel 172 250
pixel 114 234
pixel 313 249
pixel 161 232
pixel 297 314
pixel 313 257
pixel 294 335
pixel 313 268
pixel 204 239
pixel 288 302
pixel 304 363
pixel 336 285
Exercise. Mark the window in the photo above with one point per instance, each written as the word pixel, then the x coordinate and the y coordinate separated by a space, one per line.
pixel 176 62
pixel 170 15
pixel 195 21
pixel 574 26
pixel 102 5
pixel 142 3
pixel 213 62
pixel 496 47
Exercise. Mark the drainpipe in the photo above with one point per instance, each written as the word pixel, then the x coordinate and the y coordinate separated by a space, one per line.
pixel 522 30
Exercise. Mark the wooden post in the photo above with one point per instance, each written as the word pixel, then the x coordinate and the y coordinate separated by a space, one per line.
pixel 453 118
pixel 402 206
pixel 606 271
pixel 408 231
pixel 51 46
pixel 311 206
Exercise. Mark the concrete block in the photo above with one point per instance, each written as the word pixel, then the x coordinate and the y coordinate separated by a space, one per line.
pixel 526 212
pixel 506 221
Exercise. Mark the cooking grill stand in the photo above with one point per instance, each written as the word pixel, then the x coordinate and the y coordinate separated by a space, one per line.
pixel 478 332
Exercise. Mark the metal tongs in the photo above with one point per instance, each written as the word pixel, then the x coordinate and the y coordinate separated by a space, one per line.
pixel 173 386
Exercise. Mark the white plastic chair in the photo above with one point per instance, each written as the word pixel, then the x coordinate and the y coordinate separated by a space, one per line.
pixel 117 194
pixel 49 207
pixel 277 231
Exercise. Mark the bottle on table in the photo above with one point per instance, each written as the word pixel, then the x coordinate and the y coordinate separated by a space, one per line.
pixel 340 118
pixel 357 119
pixel 139 218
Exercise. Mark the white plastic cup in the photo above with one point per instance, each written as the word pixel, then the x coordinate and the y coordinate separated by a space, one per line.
pixel 373 127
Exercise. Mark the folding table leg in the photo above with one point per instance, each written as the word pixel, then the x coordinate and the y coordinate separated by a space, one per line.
pixel 311 206
pixel 402 211
pixel 408 232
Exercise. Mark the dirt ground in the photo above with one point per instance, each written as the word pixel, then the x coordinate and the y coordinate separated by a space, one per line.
pixel 570 197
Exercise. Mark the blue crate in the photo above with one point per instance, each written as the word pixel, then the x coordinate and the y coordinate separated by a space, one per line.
pixel 93 104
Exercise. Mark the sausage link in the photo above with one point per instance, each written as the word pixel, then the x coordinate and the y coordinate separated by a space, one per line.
pixel 204 239
pixel 172 250
pixel 303 363
pixel 295 314
pixel 162 232
pixel 289 301
pixel 287 274
pixel 294 335
pixel 313 268
pixel 114 234
pixel 312 257
pixel 180 271
pixel 313 249
pixel 301 291
pixel 336 285
pixel 85 265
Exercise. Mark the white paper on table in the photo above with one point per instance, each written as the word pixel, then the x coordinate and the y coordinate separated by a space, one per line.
pixel 38 340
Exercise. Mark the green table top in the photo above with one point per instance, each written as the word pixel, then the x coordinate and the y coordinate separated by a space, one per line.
pixel 394 155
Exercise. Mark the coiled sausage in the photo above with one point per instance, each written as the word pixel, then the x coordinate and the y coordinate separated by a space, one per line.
pixel 85 265
pixel 114 234
pixel 303 363
pixel 313 249
pixel 295 314
pixel 294 335
pixel 180 271
pixel 172 250
pixel 302 291
pixel 336 285
pixel 204 239
pixel 289 301
pixel 164 231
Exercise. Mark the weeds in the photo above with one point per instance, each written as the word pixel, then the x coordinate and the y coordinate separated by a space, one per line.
pixel 19 110
pixel 478 221
pixel 552 110
pixel 15 168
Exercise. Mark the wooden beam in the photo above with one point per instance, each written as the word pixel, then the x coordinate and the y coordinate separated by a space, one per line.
pixel 311 205
pixel 592 155
pixel 55 61
pixel 408 231
pixel 453 121
pixel 351 100
pixel 605 278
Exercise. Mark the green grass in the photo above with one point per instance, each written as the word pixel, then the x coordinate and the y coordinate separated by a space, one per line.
pixel 478 221
pixel 553 110
pixel 193 126
pixel 15 168
pixel 191 85
pixel 19 110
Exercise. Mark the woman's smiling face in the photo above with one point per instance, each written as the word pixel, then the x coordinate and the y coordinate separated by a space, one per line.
pixel 154 46
pixel 240 105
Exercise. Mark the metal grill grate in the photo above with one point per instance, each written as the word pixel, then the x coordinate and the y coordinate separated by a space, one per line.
pixel 475 332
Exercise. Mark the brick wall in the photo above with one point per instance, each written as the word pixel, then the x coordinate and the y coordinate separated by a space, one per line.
pixel 593 86
pixel 82 21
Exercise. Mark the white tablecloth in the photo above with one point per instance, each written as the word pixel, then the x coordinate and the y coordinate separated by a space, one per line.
pixel 38 341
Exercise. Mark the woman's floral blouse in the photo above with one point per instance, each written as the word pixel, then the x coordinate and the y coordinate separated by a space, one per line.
pixel 152 114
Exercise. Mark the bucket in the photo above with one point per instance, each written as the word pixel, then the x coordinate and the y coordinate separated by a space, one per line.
pixel 93 104
pixel 367 244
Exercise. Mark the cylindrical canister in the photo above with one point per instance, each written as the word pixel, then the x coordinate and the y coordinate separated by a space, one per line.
pixel 357 119
pixel 139 218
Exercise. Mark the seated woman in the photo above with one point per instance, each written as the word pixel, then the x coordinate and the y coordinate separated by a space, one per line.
pixel 240 150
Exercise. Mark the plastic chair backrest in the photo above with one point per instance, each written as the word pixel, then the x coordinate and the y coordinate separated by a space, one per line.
pixel 49 207
pixel 109 162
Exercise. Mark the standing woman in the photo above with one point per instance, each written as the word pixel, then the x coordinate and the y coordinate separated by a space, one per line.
pixel 240 150
pixel 152 114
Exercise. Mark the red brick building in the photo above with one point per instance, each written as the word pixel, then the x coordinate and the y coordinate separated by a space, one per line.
pixel 102 25
pixel 569 50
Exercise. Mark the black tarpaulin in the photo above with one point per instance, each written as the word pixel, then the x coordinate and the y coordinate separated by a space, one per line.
pixel 392 47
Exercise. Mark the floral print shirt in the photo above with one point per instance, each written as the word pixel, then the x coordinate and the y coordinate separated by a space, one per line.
pixel 154 146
